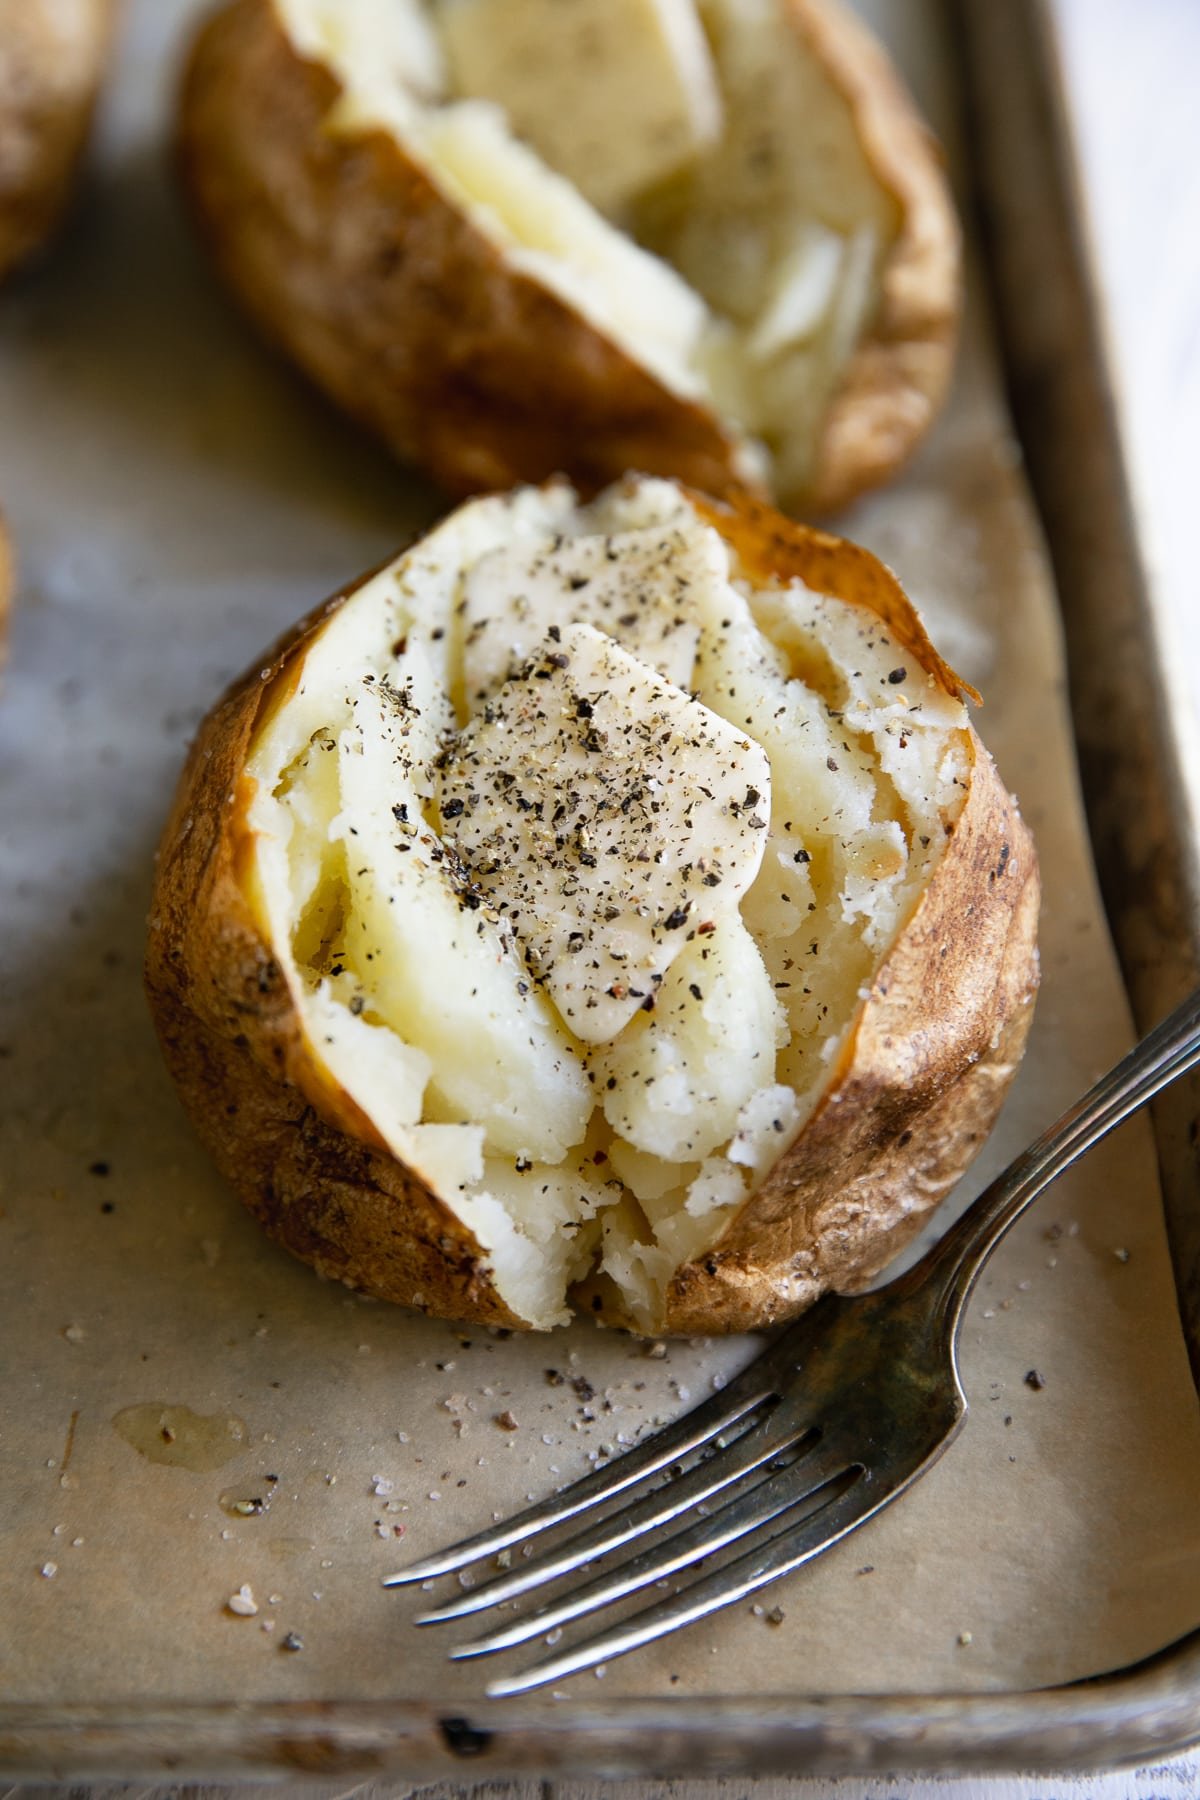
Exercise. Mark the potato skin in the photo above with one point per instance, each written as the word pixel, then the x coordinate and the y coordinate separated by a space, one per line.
pixel 348 258
pixel 51 61
pixel 919 1082
pixel 915 1092
pixel 302 1156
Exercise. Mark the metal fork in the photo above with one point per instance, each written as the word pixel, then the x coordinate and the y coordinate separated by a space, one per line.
pixel 844 1411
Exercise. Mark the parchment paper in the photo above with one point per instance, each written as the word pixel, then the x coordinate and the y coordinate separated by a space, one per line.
pixel 177 499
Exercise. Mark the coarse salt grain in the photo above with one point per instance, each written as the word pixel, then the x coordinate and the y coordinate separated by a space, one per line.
pixel 242 1604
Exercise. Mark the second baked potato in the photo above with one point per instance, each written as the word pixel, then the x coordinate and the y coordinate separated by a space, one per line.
pixel 704 238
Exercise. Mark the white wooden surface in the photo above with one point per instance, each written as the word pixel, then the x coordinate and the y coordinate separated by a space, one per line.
pixel 1133 68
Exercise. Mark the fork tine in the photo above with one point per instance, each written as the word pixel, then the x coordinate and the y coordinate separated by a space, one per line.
pixel 761 1444
pixel 756 1385
pixel 849 1505
pixel 775 1494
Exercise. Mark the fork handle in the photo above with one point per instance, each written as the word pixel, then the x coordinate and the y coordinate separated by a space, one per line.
pixel 1166 1053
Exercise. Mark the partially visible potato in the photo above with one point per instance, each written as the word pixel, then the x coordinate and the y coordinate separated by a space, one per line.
pixel 52 55
pixel 608 900
pixel 771 301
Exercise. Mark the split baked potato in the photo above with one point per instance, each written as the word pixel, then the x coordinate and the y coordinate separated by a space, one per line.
pixel 602 902
pixel 704 238
pixel 52 55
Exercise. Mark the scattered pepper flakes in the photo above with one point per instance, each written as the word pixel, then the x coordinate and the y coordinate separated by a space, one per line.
pixel 291 1641
pixel 506 1420
pixel 1035 1380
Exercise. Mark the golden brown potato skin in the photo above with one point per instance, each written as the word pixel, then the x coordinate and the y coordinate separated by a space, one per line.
pixel 915 1092
pixel 306 1161
pixel 348 258
pixel 925 1070
pixel 51 60
pixel 918 1085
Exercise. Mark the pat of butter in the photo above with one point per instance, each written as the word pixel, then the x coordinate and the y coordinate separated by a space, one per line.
pixel 609 817
pixel 615 94
pixel 640 587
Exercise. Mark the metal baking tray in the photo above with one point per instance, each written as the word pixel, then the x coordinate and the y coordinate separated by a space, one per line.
pixel 1025 192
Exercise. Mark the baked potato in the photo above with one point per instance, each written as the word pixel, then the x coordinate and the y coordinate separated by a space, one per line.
pixel 720 248
pixel 52 55
pixel 605 902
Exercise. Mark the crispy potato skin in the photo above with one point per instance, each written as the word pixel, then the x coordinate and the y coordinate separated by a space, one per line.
pixel 306 1161
pixel 51 61
pixel 917 1089
pixel 918 1085
pixel 350 260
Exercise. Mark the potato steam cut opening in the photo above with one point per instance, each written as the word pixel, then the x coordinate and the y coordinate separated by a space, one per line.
pixel 683 173
pixel 579 851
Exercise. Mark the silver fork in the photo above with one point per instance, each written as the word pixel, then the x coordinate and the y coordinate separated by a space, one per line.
pixel 844 1411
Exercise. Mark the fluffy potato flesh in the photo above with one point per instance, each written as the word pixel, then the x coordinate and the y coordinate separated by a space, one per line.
pixel 685 174
pixel 580 845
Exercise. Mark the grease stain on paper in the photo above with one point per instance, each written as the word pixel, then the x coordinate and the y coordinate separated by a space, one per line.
pixel 181 1438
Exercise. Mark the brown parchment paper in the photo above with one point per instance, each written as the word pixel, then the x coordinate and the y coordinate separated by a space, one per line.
pixel 177 499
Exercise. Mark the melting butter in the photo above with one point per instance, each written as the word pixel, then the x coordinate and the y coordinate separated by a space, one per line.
pixel 608 817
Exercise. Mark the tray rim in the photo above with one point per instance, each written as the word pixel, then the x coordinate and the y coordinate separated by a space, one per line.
pixel 1141 1713
pixel 1133 1716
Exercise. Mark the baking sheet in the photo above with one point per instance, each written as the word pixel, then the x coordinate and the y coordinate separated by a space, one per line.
pixel 177 499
